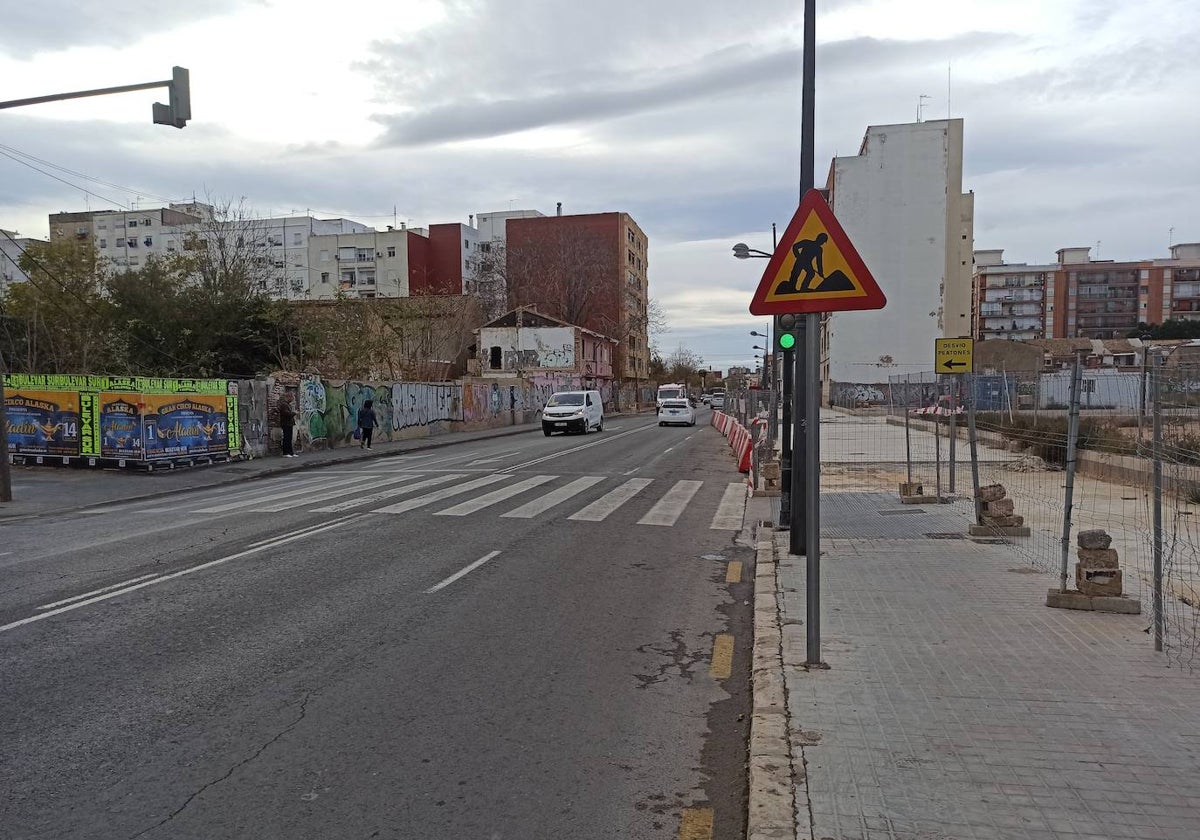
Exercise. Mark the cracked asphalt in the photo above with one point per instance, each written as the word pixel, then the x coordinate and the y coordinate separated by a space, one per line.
pixel 247 678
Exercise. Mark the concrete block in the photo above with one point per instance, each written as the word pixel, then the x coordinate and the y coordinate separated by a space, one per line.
pixel 913 488
pixel 1095 538
pixel 919 500
pixel 1000 507
pixel 997 531
pixel 1011 521
pixel 992 492
pixel 1016 446
pixel 1073 600
pixel 769 470
pixel 1098 558
pixel 1098 581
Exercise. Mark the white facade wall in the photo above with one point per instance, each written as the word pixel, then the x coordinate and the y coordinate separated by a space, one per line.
pixel 11 248
pixel 361 264
pixel 527 349
pixel 900 200
pixel 492 226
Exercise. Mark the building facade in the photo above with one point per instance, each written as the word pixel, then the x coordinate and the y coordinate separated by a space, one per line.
pixel 901 201
pixel 524 342
pixel 1078 297
pixel 589 269
pixel 12 246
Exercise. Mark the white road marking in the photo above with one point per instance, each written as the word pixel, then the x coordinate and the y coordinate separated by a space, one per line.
pixel 329 526
pixel 494 458
pixel 460 573
pixel 729 512
pixel 599 510
pixel 437 496
pixel 325 495
pixel 668 449
pixel 96 592
pixel 251 504
pixel 359 501
pixel 631 472
pixel 555 497
pixel 606 439
pixel 495 497
pixel 668 508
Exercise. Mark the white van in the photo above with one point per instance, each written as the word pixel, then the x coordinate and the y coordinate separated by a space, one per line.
pixel 573 411
pixel 671 392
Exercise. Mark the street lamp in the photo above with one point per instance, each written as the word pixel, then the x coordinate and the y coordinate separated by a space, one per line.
pixel 744 252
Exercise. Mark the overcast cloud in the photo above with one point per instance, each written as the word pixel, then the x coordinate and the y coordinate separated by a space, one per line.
pixel 1080 118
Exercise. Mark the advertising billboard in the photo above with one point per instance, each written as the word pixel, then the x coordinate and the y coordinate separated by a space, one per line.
pixel 178 426
pixel 120 425
pixel 42 422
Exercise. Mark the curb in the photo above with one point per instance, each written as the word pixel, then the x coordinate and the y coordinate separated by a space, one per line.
pixel 773 793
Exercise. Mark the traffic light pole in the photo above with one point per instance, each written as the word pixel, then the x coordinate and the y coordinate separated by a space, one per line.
pixel 177 113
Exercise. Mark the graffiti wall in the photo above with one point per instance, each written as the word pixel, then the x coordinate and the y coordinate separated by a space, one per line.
pixel 253 407
pixel 857 395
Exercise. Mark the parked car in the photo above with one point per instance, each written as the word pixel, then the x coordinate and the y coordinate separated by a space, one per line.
pixel 573 411
pixel 676 412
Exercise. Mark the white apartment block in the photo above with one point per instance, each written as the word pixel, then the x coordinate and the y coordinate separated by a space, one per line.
pixel 363 264
pixel 491 226
pixel 11 248
pixel 901 202
pixel 1011 298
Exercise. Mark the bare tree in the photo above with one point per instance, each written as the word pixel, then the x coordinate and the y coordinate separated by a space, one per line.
pixel 568 274
pixel 229 254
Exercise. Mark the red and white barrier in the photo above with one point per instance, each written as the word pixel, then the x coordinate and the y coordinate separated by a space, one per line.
pixel 741 439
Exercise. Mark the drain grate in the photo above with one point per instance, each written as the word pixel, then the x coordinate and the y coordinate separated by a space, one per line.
pixel 945 536
pixel 991 541
pixel 898 511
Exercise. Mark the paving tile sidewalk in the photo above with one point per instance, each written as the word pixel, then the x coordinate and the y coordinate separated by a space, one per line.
pixel 958 706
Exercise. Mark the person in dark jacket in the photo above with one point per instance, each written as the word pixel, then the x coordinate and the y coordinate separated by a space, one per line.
pixel 366 423
pixel 287 423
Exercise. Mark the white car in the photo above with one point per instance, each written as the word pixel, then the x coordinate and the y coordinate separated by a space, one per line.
pixel 676 411
pixel 573 411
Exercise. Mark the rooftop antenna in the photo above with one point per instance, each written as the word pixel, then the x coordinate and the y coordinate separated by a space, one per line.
pixel 921 105
pixel 1097 249
pixel 1170 237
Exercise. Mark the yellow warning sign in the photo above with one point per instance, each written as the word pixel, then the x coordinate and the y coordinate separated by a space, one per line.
pixel 954 355
pixel 816 269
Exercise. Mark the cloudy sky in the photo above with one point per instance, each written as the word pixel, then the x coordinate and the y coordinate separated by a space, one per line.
pixel 1081 118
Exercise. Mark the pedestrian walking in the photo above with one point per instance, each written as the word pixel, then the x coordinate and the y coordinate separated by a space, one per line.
pixel 366 423
pixel 287 424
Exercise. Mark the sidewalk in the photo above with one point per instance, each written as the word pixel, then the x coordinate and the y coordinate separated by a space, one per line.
pixel 957 706
pixel 38 490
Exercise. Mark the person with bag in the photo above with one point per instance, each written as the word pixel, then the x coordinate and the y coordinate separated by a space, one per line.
pixel 366 424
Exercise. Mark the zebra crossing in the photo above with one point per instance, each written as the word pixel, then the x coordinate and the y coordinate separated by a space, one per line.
pixel 507 495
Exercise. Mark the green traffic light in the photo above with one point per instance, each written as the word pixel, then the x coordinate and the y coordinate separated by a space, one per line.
pixel 787 341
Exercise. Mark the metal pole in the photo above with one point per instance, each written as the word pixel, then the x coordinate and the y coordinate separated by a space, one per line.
pixel 785 451
pixel 907 434
pixel 973 442
pixel 809 396
pixel 1156 384
pixel 953 430
pixel 1072 438
pixel 797 539
pixel 80 94
pixel 5 471
pixel 937 442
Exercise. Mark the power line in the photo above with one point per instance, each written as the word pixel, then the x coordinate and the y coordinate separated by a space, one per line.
pixel 64 181
pixel 84 175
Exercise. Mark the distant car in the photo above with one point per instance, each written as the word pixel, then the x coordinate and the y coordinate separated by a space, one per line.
pixel 705 398
pixel 717 400
pixel 676 412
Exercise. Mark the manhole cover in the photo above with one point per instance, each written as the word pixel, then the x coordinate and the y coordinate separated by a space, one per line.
pixel 945 536
pixel 899 511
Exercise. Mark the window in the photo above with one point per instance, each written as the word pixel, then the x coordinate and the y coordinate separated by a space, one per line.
pixel 391 251
pixel 467 244
pixel 133 260
pixel 133 222
pixel 131 242
pixel 297 238
pixel 494 358
pixel 275 240
pixel 486 247
pixel 103 243
pixel 347 278
pixel 148 242
pixel 365 255
pixel 146 222
pixel 366 278
pixel 118 224
pixel 324 276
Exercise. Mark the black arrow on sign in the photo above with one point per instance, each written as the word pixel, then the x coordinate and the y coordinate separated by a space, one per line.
pixel 952 364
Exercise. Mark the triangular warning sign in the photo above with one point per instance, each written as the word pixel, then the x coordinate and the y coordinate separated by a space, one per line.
pixel 815 268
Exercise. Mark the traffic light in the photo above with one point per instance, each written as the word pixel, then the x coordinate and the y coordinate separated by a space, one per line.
pixel 179 111
pixel 787 331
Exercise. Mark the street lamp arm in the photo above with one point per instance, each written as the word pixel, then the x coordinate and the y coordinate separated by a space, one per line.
pixel 744 252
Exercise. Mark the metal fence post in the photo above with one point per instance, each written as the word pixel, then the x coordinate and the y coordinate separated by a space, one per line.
pixel 1156 385
pixel 907 435
pixel 953 430
pixel 937 441
pixel 972 442
pixel 1072 440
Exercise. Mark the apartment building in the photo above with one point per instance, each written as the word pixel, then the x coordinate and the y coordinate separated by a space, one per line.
pixel 1078 297
pixel 1009 299
pixel 901 201
pixel 12 246
pixel 587 269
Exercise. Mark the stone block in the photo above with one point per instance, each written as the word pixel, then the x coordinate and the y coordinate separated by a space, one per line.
pixel 1000 507
pixel 1078 601
pixel 770 470
pixel 1098 558
pixel 1093 539
pixel 992 492
pixel 913 488
pixel 1098 581
pixel 1010 521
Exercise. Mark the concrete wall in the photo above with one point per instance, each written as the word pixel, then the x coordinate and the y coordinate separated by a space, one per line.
pixel 529 348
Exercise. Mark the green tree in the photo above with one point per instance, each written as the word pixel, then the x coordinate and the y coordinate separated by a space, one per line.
pixel 1175 328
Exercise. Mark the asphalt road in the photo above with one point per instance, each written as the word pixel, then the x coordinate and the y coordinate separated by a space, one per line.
pixel 528 637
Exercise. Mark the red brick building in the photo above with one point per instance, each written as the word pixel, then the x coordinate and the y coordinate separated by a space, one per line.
pixel 588 269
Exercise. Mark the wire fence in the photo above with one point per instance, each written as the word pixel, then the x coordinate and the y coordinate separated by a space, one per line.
pixel 1063 452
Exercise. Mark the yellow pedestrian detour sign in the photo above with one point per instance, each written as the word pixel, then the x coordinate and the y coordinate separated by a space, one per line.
pixel 954 355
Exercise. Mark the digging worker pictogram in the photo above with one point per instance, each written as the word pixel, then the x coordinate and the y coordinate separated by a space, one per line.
pixel 808 260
